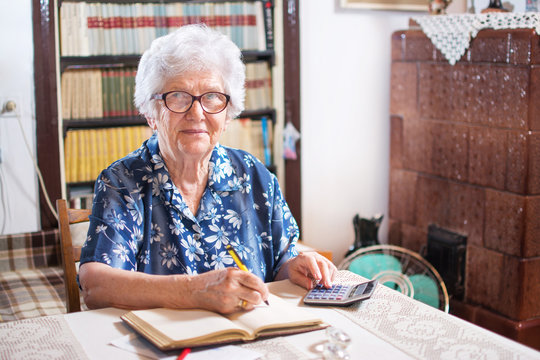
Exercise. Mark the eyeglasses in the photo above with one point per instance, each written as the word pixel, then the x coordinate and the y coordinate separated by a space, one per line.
pixel 181 101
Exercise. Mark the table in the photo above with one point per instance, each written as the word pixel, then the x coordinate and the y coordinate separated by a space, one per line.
pixel 384 327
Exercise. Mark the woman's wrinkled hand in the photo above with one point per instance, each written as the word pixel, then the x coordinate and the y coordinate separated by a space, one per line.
pixel 310 268
pixel 228 290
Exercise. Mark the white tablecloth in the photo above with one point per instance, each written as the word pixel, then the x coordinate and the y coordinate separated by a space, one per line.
pixel 389 325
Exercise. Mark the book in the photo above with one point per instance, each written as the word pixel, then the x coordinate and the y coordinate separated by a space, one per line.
pixel 113 152
pixel 93 158
pixel 106 92
pixel 66 94
pixel 269 24
pixel 266 141
pixel 173 329
pixel 261 140
pixel 69 156
pixel 259 31
pixel 80 155
pixel 102 151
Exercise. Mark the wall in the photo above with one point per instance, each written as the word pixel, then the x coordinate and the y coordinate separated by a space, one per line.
pixel 19 209
pixel 345 92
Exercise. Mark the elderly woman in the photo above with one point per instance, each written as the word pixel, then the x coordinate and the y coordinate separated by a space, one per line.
pixel 167 211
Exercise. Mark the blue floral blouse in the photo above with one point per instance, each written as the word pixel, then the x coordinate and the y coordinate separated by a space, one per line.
pixel 140 222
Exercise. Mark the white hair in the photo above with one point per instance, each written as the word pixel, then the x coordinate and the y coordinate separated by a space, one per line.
pixel 190 48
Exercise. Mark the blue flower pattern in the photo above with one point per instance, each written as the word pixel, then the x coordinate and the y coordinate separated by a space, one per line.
pixel 140 222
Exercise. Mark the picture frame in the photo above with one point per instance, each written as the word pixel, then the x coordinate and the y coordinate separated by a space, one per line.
pixel 401 5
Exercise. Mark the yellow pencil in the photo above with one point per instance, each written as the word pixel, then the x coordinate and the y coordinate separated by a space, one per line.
pixel 236 258
pixel 239 262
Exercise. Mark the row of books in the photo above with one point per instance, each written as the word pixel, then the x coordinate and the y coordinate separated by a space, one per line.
pixel 96 93
pixel 81 198
pixel 258 86
pixel 88 151
pixel 88 29
pixel 254 136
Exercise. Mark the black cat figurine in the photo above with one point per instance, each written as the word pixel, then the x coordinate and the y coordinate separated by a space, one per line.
pixel 365 232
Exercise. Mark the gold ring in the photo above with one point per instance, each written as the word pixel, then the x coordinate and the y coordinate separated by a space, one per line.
pixel 242 304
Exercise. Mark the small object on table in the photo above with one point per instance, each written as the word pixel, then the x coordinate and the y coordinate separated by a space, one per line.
pixel 494 6
pixel 338 336
pixel 438 7
pixel 333 351
pixel 183 354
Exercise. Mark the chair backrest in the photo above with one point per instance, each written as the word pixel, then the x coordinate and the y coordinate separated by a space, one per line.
pixel 73 224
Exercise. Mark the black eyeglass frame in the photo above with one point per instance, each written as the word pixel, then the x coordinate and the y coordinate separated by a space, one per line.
pixel 163 97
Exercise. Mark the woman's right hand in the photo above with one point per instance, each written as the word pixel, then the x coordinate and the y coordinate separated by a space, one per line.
pixel 222 290
pixel 228 290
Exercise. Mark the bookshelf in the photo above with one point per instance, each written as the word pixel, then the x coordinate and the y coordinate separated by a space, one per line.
pixel 100 44
pixel 52 63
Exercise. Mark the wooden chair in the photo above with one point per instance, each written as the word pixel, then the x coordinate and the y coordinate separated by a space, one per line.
pixel 73 224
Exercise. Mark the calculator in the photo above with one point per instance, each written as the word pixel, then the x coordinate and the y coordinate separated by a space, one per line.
pixel 340 294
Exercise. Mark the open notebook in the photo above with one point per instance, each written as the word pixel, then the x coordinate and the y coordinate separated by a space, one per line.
pixel 171 329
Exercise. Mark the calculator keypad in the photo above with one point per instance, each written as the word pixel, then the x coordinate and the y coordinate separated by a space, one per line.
pixel 340 294
pixel 336 292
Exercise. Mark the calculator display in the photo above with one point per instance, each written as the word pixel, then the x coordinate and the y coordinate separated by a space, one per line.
pixel 340 294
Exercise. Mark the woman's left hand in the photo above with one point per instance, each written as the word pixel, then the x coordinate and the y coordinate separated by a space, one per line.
pixel 308 269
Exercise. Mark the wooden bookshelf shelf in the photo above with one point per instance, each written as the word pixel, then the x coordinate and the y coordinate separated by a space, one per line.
pixel 110 61
pixel 98 61
pixel 255 55
pixel 259 113
pixel 103 122
pixel 140 120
